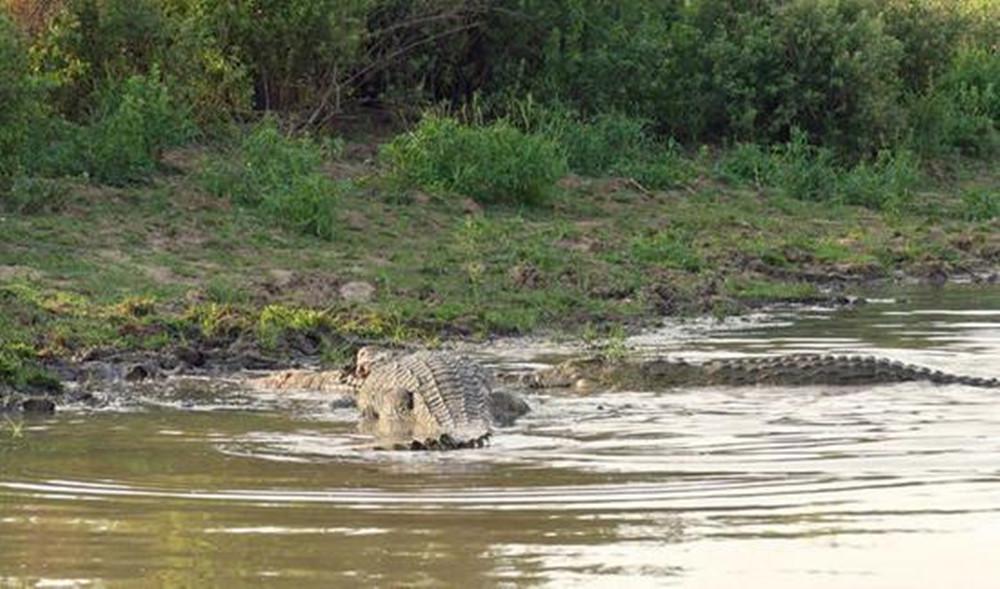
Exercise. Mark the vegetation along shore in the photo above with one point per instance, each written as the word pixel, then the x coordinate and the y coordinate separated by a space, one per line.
pixel 251 184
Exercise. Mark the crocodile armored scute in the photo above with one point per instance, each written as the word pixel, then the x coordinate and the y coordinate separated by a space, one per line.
pixel 791 369
pixel 426 400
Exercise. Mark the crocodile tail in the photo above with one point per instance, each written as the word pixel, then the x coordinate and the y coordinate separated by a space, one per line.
pixel 913 372
pixel 971 381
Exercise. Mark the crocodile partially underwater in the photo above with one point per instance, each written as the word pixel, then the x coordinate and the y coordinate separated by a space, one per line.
pixel 647 373
pixel 440 400
pixel 444 400
pixel 429 399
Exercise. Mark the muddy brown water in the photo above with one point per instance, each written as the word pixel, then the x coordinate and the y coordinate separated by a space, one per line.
pixel 887 486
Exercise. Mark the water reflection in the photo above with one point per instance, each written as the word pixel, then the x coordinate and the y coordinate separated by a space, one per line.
pixel 890 486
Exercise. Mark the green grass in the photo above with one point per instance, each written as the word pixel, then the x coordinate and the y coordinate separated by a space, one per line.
pixel 496 163
pixel 279 177
pixel 169 264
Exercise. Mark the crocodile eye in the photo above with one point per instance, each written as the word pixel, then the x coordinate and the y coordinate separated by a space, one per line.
pixel 408 400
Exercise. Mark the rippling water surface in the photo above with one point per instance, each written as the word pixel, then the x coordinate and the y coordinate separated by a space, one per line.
pixel 889 486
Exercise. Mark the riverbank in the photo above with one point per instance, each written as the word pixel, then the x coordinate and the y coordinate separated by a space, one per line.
pixel 170 272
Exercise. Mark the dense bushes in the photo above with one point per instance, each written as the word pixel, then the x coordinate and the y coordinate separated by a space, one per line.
pixel 15 99
pixel 723 68
pixel 100 87
pixel 805 172
pixel 120 143
pixel 135 123
pixel 89 43
pixel 280 177
pixel 492 163
pixel 961 110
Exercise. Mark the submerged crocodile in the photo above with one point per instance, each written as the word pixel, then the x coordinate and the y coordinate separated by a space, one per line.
pixel 429 399
pixel 792 369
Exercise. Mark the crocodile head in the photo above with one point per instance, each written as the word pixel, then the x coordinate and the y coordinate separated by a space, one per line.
pixel 370 356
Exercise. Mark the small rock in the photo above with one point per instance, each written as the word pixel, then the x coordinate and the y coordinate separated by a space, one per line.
pixel 506 407
pixel 137 373
pixel 281 277
pixel 571 182
pixel 36 406
pixel 343 402
pixel 471 207
pixel 191 356
pixel 357 292
pixel 525 276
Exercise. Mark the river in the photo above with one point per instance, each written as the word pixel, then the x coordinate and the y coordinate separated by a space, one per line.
pixel 890 486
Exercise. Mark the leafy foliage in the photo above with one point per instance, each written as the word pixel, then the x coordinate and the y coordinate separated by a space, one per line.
pixel 100 87
pixel 981 205
pixel 19 367
pixel 280 177
pixel 493 163
pixel 806 172
pixel 16 95
pixel 961 112
pixel 91 42
pixel 138 121
pixel 123 141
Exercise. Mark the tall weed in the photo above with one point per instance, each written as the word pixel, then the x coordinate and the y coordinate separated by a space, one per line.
pixel 17 94
pixel 961 111
pixel 136 121
pixel 280 177
pixel 806 172
pixel 496 163
pixel 608 143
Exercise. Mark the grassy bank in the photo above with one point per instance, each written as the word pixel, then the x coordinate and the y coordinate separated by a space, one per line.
pixel 171 265
pixel 269 179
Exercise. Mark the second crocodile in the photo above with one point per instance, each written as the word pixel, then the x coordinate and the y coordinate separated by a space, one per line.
pixel 792 369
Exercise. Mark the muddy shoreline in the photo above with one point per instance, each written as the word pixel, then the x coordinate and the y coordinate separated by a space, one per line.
pixel 74 379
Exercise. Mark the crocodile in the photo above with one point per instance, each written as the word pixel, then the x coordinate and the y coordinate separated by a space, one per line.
pixel 429 400
pixel 792 369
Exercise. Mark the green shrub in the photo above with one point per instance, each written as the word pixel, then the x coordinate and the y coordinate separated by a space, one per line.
pixel 608 143
pixel 929 33
pixel 667 249
pixel 596 146
pixel 807 172
pixel 19 368
pixel 279 176
pixel 291 47
pixel 637 57
pixel 16 98
pixel 29 195
pixel 981 204
pixel 715 68
pixel 267 161
pixel 747 163
pixel 804 171
pixel 961 112
pixel 664 167
pixel 885 183
pixel 494 163
pixel 90 43
pixel 137 120
pixel 121 143
pixel 825 67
